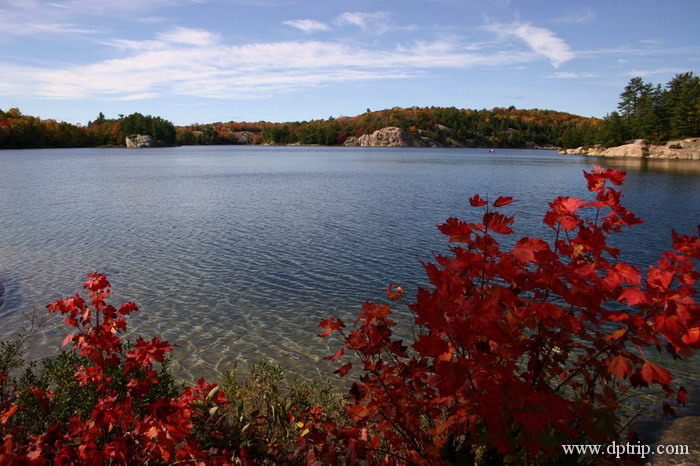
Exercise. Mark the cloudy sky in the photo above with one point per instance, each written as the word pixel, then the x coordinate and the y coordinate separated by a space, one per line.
pixel 280 60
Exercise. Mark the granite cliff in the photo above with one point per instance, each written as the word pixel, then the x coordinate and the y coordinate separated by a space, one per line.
pixel 139 140
pixel 684 149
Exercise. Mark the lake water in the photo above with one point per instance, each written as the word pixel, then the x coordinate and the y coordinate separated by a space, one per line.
pixel 234 253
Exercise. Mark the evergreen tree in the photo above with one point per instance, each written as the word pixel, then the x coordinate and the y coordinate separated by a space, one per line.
pixel 682 105
pixel 613 131
pixel 636 107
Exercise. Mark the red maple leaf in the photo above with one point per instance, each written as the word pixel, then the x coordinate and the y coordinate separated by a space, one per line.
pixel 682 396
pixel 477 201
pixel 654 373
pixel 498 222
pixel 620 367
pixel 503 200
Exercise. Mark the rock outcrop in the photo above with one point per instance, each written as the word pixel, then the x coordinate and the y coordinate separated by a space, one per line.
pixel 390 136
pixel 684 431
pixel 684 149
pixel 243 137
pixel 439 136
pixel 352 141
pixel 140 140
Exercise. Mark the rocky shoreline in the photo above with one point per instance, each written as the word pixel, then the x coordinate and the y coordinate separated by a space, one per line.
pixel 392 136
pixel 683 149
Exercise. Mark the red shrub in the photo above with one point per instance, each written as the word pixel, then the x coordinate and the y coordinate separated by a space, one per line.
pixel 519 351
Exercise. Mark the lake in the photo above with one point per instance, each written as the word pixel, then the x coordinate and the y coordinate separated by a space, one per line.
pixel 235 253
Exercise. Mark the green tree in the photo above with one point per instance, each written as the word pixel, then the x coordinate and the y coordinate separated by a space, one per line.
pixel 636 106
pixel 682 105
pixel 613 131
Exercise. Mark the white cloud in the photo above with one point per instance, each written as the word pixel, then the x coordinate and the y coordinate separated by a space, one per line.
pixel 581 15
pixel 307 25
pixel 644 51
pixel 377 21
pixel 195 63
pixel 141 96
pixel 151 19
pixel 30 17
pixel 651 41
pixel 187 36
pixel 571 75
pixel 644 73
pixel 540 40
pixel 33 17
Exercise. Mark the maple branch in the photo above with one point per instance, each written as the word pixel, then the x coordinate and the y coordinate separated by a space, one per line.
pixel 583 366
pixel 388 452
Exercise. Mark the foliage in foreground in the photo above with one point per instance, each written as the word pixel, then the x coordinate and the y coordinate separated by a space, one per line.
pixel 107 400
pixel 516 351
pixel 520 351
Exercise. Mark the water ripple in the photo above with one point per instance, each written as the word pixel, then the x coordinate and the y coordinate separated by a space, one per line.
pixel 235 253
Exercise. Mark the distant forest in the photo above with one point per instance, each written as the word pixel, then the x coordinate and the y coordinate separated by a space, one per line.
pixel 19 131
pixel 653 112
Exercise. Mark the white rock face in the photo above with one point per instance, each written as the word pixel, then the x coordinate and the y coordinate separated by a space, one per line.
pixel 352 141
pixel 244 137
pixel 139 140
pixel 390 136
pixel 684 149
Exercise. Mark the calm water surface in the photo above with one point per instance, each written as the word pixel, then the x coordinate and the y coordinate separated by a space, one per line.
pixel 235 253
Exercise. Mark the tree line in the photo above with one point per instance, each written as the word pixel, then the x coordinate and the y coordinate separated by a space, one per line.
pixel 646 111
pixel 655 113
pixel 497 127
pixel 18 131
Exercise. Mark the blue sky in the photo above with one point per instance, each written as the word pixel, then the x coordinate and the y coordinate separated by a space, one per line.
pixel 281 60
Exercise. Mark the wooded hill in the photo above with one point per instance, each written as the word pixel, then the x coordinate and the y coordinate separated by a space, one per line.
pixel 19 131
pixel 646 111
pixel 498 127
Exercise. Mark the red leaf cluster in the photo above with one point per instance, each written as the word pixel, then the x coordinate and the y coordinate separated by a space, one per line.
pixel 519 351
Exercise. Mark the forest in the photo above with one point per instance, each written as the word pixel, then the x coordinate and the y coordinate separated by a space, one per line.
pixel 18 131
pixel 645 111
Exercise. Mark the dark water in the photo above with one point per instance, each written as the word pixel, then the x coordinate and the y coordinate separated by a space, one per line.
pixel 235 253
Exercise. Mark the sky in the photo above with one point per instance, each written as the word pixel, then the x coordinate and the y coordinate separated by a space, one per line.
pixel 203 61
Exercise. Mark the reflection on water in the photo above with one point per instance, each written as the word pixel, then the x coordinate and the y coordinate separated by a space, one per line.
pixel 679 167
pixel 235 253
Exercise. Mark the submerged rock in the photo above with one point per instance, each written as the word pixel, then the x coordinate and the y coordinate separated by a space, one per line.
pixel 684 433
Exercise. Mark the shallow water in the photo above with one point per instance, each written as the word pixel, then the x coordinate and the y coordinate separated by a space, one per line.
pixel 234 253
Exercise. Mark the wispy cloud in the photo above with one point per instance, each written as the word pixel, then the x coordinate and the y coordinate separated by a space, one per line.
pixel 188 36
pixel 540 40
pixel 651 41
pixel 642 51
pixel 580 15
pixel 151 19
pixel 307 25
pixel 376 22
pixel 194 62
pixel 571 75
pixel 37 17
pixel 141 96
pixel 644 73
pixel 30 17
